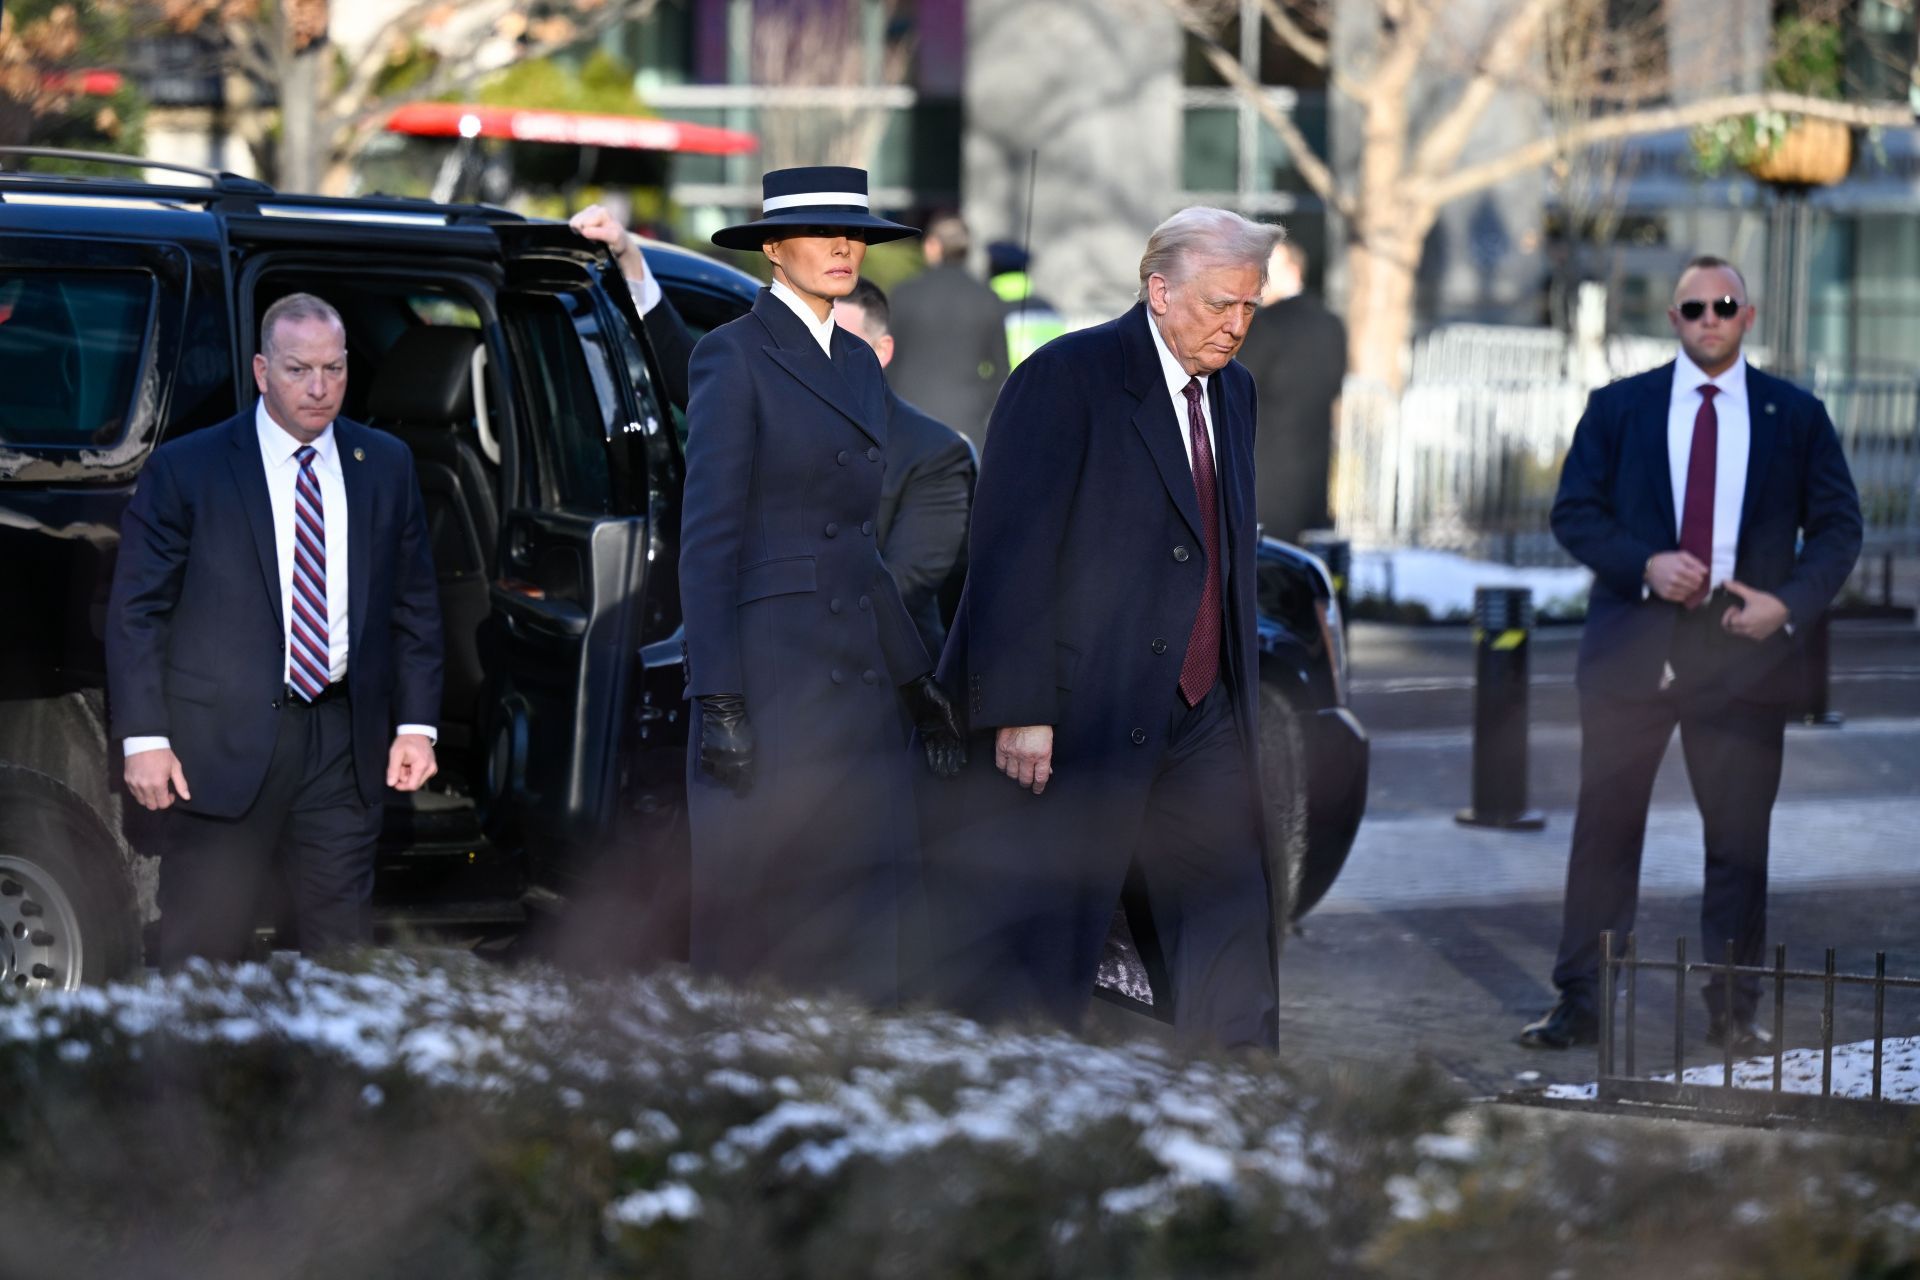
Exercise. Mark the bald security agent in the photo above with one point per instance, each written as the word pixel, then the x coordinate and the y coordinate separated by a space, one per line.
pixel 274 651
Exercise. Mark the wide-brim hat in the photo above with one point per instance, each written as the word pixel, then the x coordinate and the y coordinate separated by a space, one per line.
pixel 823 195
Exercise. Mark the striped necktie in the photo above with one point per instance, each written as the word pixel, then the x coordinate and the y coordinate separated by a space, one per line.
pixel 310 653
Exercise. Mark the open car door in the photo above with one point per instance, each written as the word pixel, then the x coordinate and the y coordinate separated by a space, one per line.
pixel 587 561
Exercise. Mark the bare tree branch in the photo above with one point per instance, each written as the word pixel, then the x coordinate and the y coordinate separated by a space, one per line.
pixel 1442 146
pixel 1313 170
pixel 1311 50
pixel 1635 124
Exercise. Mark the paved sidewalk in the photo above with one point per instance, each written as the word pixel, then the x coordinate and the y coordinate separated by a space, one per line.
pixel 1429 861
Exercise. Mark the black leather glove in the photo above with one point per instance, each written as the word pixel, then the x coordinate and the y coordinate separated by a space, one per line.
pixel 726 740
pixel 938 723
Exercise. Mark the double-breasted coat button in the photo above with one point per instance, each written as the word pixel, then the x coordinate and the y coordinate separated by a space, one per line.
pixel 873 455
pixel 866 527
pixel 839 676
pixel 1159 645
pixel 843 457
pixel 865 603
pixel 1180 554
pixel 1139 737
pixel 870 676
pixel 833 531
pixel 833 605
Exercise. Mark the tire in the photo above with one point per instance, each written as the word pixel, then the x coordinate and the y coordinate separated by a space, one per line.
pixel 1283 790
pixel 67 916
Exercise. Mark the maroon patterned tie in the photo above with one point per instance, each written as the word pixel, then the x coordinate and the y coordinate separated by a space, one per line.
pixel 1202 666
pixel 310 653
pixel 1696 513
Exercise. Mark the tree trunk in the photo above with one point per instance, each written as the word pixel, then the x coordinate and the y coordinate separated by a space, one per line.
pixel 1379 311
pixel 299 119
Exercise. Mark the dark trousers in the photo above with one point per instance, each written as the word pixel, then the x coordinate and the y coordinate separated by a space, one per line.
pixel 308 823
pixel 1199 861
pixel 1732 749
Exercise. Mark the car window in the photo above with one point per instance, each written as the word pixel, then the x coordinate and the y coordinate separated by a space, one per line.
pixel 564 382
pixel 70 349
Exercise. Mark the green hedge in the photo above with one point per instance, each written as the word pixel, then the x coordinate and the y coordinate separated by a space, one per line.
pixel 432 1116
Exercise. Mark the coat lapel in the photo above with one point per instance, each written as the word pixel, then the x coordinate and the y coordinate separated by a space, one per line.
pixel 1763 426
pixel 797 353
pixel 1651 424
pixel 250 479
pixel 1155 417
pixel 359 485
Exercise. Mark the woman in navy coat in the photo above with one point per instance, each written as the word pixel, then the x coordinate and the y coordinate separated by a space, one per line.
pixel 805 665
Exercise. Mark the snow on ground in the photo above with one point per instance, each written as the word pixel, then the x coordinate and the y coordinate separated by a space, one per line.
pixel 669 1041
pixel 1443 582
pixel 1800 1072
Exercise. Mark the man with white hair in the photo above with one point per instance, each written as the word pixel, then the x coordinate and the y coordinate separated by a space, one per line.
pixel 1105 647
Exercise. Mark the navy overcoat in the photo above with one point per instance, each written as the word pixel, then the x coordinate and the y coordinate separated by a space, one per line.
pixel 1085 570
pixel 1800 528
pixel 805 877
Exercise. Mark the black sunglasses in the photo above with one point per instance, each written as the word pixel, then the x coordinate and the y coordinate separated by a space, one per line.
pixel 1726 308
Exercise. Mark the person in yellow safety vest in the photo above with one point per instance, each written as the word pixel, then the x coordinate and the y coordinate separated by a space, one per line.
pixel 1032 321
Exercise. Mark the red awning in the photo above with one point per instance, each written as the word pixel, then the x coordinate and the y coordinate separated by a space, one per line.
pixel 578 128
pixel 91 81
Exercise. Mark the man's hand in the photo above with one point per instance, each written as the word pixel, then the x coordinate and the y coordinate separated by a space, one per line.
pixel 1757 616
pixel 1676 575
pixel 595 223
pixel 155 777
pixel 1025 754
pixel 410 762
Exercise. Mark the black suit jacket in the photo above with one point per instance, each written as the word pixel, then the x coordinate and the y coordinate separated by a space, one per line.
pixel 925 496
pixel 1800 528
pixel 1296 351
pixel 950 347
pixel 196 642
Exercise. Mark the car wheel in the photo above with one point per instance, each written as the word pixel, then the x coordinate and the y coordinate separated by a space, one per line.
pixel 66 913
pixel 1283 786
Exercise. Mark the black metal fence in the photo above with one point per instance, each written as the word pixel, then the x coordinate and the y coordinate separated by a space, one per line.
pixel 1620 1083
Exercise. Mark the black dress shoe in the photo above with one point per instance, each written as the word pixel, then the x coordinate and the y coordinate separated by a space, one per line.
pixel 1567 1025
pixel 1748 1039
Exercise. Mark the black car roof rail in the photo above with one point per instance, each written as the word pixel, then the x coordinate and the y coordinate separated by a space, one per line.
pixel 219 179
pixel 228 193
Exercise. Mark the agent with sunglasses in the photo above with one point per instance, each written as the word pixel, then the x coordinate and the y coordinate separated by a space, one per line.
pixel 808 674
pixel 1713 503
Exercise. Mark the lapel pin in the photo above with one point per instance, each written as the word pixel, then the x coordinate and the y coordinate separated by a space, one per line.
pixel 1769 406
pixel 360 455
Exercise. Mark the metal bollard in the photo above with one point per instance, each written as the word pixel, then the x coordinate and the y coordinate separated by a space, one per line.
pixel 1502 629
pixel 1337 554
pixel 1818 661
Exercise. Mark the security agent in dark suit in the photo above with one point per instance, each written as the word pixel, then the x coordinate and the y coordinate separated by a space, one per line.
pixel 953 336
pixel 1713 503
pixel 274 649
pixel 1105 644
pixel 808 673
pixel 926 490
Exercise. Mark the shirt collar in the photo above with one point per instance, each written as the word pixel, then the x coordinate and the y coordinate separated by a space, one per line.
pixel 277 446
pixel 1689 377
pixel 822 330
pixel 1177 377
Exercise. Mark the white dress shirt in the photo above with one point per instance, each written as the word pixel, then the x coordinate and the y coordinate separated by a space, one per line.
pixel 1730 459
pixel 822 330
pixel 1177 380
pixel 277 455
pixel 646 292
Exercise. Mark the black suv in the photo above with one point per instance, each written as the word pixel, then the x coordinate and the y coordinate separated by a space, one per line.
pixel 508 355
